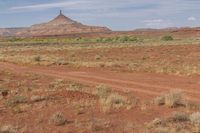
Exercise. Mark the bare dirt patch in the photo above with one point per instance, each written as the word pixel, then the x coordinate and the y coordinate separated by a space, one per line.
pixel 80 109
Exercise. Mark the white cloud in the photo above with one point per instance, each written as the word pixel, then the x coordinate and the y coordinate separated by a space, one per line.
pixel 157 23
pixel 119 14
pixel 49 5
pixel 192 18
pixel 153 21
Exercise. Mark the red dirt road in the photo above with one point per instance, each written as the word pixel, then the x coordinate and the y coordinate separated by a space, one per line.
pixel 144 85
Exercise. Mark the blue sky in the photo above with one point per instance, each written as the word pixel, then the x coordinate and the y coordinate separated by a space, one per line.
pixel 115 14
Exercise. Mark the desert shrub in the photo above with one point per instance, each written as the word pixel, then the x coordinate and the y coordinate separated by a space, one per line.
pixel 3 91
pixel 114 100
pixel 195 118
pixel 56 84
pixel 75 87
pixel 8 129
pixel 160 100
pixel 167 38
pixel 99 40
pixel 124 39
pixel 37 58
pixel 156 122
pixel 103 91
pixel 16 100
pixel 97 57
pixel 79 109
pixel 78 38
pixel 162 130
pixel 14 39
pixel 109 99
pixel 99 125
pixel 193 106
pixel 128 127
pixel 17 109
pixel 107 40
pixel 180 117
pixel 118 39
pixel 57 119
pixel 135 39
pixel 37 98
pixel 82 40
pixel 172 99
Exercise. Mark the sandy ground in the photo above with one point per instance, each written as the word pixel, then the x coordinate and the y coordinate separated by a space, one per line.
pixel 143 84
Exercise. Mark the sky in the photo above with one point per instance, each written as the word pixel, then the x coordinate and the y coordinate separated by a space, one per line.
pixel 114 14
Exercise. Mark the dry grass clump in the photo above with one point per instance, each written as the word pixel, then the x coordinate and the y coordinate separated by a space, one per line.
pixel 128 127
pixel 109 99
pixel 160 100
pixel 17 110
pixel 167 38
pixel 195 118
pixel 97 57
pixel 114 101
pixel 16 100
pixel 99 125
pixel 162 130
pixel 180 117
pixel 156 122
pixel 179 122
pixel 57 119
pixel 4 92
pixel 8 129
pixel 37 98
pixel 193 106
pixel 75 87
pixel 56 84
pixel 195 121
pixel 172 99
pixel 37 58
pixel 80 109
pixel 92 125
pixel 103 91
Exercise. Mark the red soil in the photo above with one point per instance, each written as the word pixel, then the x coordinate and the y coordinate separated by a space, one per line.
pixel 145 85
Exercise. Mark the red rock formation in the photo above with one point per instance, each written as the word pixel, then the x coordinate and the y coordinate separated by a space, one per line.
pixel 61 25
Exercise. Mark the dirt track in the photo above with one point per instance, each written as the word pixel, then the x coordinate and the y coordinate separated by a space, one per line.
pixel 144 85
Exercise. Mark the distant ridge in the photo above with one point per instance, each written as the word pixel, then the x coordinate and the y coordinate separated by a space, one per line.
pixel 60 25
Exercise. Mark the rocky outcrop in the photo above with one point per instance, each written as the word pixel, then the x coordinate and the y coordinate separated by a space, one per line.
pixel 61 25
